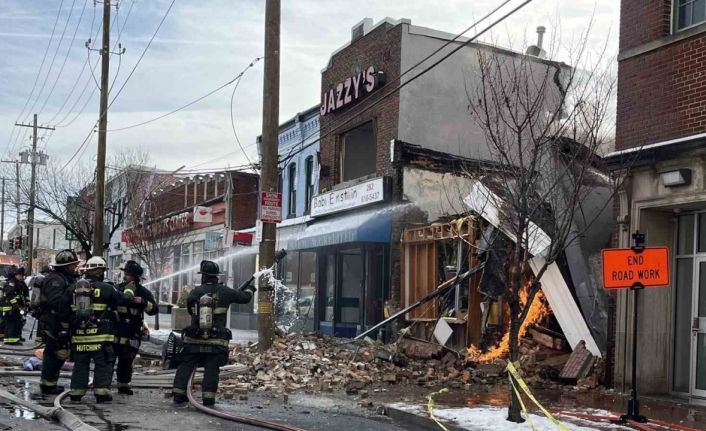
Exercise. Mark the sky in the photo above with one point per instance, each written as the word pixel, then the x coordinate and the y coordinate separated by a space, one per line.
pixel 202 45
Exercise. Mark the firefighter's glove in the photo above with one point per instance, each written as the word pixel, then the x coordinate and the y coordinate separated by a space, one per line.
pixel 249 288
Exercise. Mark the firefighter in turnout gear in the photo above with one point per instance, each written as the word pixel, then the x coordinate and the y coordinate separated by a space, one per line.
pixel 206 339
pixel 16 301
pixel 35 286
pixel 3 285
pixel 54 314
pixel 92 328
pixel 131 323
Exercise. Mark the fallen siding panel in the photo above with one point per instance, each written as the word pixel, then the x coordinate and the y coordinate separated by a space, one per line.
pixel 565 310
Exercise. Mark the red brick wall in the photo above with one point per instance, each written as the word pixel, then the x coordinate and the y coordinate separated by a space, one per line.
pixel 245 193
pixel 380 48
pixel 661 93
pixel 643 21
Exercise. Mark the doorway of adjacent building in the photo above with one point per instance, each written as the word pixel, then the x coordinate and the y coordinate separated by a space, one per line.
pixel 689 365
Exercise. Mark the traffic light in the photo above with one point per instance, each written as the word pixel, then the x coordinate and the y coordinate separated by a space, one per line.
pixel 11 243
pixel 18 243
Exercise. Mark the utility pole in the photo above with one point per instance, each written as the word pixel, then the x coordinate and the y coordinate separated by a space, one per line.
pixel 99 207
pixel 268 177
pixel 33 156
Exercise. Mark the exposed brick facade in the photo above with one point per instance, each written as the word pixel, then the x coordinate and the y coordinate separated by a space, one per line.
pixel 662 92
pixel 643 21
pixel 380 48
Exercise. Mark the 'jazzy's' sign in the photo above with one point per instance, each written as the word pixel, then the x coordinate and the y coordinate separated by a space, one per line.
pixel 351 90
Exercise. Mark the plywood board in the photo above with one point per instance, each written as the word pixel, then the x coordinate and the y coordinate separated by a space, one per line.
pixel 565 310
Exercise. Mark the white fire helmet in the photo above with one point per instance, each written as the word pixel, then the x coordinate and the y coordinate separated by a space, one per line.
pixel 95 262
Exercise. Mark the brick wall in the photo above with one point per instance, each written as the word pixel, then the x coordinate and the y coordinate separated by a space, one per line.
pixel 643 21
pixel 245 194
pixel 661 93
pixel 380 48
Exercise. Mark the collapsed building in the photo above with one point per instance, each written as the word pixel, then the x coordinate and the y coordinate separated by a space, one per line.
pixel 388 212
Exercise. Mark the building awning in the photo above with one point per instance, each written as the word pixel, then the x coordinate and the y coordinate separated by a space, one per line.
pixel 361 226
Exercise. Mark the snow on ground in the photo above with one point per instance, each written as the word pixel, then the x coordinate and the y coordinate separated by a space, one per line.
pixel 494 419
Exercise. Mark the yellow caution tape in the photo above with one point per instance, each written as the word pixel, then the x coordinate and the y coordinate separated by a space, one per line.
pixel 512 369
pixel 430 407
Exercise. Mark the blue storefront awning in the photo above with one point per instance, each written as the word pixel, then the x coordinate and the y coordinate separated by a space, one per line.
pixel 361 226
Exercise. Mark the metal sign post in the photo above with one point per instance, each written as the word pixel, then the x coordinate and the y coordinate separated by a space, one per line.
pixel 635 268
pixel 633 413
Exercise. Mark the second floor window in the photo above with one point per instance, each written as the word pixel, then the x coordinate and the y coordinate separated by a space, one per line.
pixel 309 166
pixel 292 189
pixel 689 12
pixel 358 152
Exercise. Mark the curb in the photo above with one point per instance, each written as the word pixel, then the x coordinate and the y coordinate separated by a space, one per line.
pixel 415 421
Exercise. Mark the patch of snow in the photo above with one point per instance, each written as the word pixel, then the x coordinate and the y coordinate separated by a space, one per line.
pixel 495 419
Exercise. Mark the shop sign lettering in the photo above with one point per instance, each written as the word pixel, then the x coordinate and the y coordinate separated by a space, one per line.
pixel 351 90
pixel 355 196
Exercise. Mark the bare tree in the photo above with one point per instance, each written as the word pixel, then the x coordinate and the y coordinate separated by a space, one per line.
pixel 65 196
pixel 152 237
pixel 545 124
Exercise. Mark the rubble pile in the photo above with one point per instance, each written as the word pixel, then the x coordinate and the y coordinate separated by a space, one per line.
pixel 314 363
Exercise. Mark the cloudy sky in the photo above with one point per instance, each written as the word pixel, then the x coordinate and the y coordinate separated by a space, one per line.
pixel 202 45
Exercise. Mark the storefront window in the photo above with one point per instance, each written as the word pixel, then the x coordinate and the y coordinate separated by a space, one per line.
pixel 185 263
pixel 329 299
pixel 307 286
pixel 352 273
pixel 358 152
pixel 287 297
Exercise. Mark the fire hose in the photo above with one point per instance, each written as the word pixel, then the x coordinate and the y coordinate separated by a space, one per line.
pixel 235 418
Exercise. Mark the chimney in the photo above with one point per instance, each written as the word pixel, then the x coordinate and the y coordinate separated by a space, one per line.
pixel 536 50
pixel 359 30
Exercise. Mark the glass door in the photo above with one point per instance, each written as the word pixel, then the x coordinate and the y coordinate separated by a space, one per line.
pixel 698 330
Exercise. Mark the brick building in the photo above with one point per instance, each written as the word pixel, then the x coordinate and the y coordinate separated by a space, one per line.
pixel 204 216
pixel 388 160
pixel 659 157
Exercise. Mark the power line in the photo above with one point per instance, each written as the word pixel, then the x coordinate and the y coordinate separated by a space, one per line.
pixel 78 78
pixel 68 52
pixel 232 119
pixel 237 78
pixel 124 83
pixel 412 79
pixel 39 73
pixel 53 59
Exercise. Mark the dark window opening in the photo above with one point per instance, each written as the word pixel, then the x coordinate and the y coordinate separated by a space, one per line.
pixel 358 152
pixel 292 189
pixel 309 192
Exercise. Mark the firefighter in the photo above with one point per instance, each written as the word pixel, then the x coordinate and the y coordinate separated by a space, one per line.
pixel 206 339
pixel 54 315
pixel 16 302
pixel 35 286
pixel 3 309
pixel 92 328
pixel 130 327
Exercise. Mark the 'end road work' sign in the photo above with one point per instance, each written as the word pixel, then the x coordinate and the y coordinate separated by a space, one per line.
pixel 624 267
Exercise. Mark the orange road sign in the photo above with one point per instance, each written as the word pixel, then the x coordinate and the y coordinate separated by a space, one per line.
pixel 624 267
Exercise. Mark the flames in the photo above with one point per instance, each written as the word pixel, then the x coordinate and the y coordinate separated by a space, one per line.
pixel 538 312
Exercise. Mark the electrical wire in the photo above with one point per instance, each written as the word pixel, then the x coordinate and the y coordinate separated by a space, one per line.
pixel 68 52
pixel 237 78
pixel 78 78
pixel 232 119
pixel 39 73
pixel 53 59
pixel 421 73
pixel 166 14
